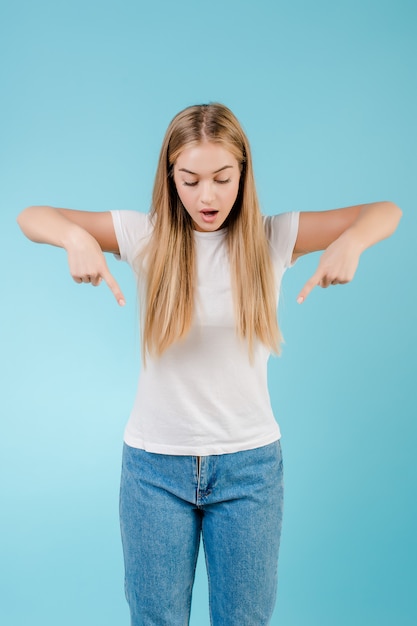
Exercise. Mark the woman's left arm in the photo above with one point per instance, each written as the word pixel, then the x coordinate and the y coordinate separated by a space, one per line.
pixel 343 234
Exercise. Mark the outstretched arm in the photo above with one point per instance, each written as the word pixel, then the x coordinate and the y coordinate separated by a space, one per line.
pixel 84 235
pixel 344 234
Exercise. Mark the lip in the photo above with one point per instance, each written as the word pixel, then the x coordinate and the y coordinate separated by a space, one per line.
pixel 209 215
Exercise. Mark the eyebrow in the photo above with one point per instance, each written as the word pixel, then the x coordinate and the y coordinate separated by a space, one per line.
pixel 225 167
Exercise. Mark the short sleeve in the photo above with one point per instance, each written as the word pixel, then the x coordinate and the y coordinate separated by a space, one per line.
pixel 132 232
pixel 281 231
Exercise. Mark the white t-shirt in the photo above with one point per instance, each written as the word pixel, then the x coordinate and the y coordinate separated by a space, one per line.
pixel 203 396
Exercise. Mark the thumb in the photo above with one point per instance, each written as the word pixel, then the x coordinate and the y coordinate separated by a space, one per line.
pixel 308 287
pixel 114 287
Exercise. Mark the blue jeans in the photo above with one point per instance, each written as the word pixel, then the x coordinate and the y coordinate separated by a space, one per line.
pixel 234 501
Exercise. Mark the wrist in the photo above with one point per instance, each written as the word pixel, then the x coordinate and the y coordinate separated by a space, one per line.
pixel 354 239
pixel 74 237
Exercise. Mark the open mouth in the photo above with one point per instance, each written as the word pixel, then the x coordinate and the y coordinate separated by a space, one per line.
pixel 208 215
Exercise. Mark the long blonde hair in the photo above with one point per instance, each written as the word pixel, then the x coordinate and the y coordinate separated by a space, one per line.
pixel 169 260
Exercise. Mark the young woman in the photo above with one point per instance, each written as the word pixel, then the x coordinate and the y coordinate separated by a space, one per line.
pixel 202 452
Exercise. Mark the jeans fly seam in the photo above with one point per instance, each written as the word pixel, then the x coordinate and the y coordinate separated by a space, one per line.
pixel 198 479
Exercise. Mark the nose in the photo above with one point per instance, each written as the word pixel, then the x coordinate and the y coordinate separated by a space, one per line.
pixel 207 193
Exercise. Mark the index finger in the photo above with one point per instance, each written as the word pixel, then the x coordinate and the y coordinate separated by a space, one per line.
pixel 308 287
pixel 114 287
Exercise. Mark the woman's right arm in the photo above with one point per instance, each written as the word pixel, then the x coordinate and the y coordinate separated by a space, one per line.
pixel 85 235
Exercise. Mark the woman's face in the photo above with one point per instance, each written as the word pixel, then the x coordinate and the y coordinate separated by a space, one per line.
pixel 207 180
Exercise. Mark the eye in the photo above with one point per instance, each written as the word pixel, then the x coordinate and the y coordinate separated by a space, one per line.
pixel 223 182
pixel 187 184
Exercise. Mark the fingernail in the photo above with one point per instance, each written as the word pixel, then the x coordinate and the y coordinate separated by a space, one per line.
pixel 300 299
pixel 122 302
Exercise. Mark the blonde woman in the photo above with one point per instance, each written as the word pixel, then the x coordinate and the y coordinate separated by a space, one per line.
pixel 202 452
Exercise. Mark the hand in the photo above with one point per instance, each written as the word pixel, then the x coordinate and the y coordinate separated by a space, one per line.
pixel 337 265
pixel 87 264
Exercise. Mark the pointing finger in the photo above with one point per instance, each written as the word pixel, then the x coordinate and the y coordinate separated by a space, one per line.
pixel 114 287
pixel 308 287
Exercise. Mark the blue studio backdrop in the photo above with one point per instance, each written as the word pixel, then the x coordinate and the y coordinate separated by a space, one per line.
pixel 327 94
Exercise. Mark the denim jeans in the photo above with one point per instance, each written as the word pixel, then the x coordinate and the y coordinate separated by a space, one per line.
pixel 234 501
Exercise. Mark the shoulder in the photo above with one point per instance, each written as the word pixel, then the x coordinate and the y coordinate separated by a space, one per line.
pixel 281 232
pixel 132 230
pixel 135 220
pixel 280 224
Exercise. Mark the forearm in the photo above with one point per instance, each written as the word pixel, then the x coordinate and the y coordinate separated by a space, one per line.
pixel 349 232
pixel 375 221
pixel 45 224
pixel 83 234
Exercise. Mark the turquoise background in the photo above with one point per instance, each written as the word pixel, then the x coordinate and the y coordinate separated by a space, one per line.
pixel 327 94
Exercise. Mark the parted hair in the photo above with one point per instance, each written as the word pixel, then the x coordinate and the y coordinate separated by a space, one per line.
pixel 169 259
